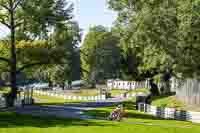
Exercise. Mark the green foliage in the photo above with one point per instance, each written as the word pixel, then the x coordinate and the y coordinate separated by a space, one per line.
pixel 65 39
pixel 43 34
pixel 162 34
pixel 100 54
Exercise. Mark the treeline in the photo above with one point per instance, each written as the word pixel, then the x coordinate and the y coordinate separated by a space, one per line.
pixel 155 39
pixel 41 44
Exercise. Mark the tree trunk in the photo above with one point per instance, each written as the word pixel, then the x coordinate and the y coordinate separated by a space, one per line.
pixel 166 86
pixel 63 86
pixel 13 66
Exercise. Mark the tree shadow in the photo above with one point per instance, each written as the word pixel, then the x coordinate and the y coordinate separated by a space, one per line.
pixel 43 104
pixel 13 120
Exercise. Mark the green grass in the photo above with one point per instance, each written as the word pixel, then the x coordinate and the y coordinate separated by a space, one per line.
pixel 115 92
pixel 118 91
pixel 84 92
pixel 143 90
pixel 168 101
pixel 132 115
pixel 14 123
pixel 48 100
pixel 4 90
pixel 172 102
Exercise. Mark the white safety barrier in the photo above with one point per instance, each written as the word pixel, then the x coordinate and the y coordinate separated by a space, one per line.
pixel 169 113
pixel 75 98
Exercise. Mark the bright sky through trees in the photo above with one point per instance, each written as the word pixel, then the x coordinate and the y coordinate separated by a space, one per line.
pixel 87 13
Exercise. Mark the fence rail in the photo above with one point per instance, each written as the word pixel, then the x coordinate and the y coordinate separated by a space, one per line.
pixel 169 113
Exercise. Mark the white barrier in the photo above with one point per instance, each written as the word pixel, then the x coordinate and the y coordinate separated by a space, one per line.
pixel 2 103
pixel 65 97
pixel 82 98
pixel 170 113
pixel 127 85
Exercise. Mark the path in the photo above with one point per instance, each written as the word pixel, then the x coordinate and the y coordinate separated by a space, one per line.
pixel 70 110
pixel 75 111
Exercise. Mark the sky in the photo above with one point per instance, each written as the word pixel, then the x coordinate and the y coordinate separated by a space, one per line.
pixel 93 12
pixel 88 13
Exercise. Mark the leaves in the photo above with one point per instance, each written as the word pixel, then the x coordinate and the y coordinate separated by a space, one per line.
pixel 100 54
pixel 162 34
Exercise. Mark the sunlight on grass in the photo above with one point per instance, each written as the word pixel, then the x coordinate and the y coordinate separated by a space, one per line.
pixel 84 92
pixel 48 100
pixel 4 90
pixel 131 115
pixel 115 92
pixel 13 123
pixel 168 101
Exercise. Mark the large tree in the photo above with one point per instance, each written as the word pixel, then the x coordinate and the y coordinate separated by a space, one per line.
pixel 33 19
pixel 163 34
pixel 67 40
pixel 100 55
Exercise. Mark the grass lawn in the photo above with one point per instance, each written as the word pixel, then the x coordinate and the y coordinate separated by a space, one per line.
pixel 48 100
pixel 173 102
pixel 93 92
pixel 132 116
pixel 13 123
pixel 4 90
pixel 115 92
pixel 168 101
pixel 84 92
pixel 143 90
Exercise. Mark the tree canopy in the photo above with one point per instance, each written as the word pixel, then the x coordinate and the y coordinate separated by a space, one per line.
pixel 31 21
pixel 159 32
pixel 100 54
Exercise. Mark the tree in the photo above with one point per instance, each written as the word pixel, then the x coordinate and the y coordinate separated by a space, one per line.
pixel 100 55
pixel 159 32
pixel 67 40
pixel 30 17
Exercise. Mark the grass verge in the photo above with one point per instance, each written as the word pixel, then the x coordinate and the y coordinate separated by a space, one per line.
pixel 14 123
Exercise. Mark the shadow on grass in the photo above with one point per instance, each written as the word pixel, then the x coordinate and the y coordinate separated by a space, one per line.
pixel 13 120
pixel 43 104
pixel 56 103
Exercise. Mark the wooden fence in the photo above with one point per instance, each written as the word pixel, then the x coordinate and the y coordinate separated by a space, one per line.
pixel 187 90
pixel 169 113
